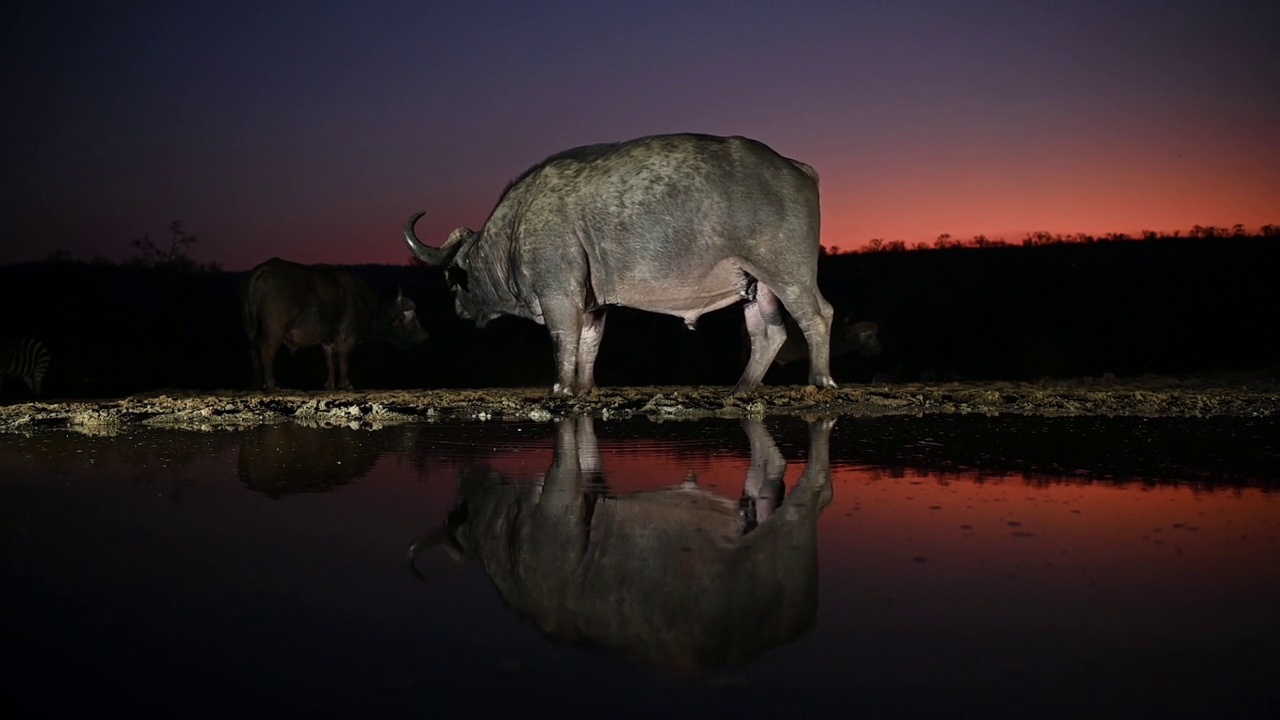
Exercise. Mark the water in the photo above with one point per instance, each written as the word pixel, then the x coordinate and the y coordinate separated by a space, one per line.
pixel 1027 567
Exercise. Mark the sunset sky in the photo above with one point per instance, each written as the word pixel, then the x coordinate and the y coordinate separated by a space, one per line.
pixel 312 130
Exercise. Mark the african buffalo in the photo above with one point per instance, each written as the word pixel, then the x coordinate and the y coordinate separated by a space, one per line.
pixel 278 459
pixel 678 224
pixel 285 303
pixel 860 337
pixel 680 577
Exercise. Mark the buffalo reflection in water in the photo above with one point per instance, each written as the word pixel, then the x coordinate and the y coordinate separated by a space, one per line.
pixel 286 458
pixel 681 577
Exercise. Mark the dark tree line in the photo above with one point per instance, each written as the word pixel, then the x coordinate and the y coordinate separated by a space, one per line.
pixel 945 241
pixel 1169 305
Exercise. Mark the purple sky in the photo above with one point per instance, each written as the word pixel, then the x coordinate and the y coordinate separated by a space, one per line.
pixel 311 130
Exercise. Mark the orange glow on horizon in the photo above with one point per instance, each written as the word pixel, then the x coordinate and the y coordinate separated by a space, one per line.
pixel 1083 533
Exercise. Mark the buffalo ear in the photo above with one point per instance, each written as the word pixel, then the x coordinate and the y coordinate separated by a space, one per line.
pixel 460 239
pixel 402 302
pixel 456 553
pixel 456 277
pixel 434 536
pixel 440 535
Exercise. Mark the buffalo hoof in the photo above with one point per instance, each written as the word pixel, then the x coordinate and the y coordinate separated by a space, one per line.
pixel 823 382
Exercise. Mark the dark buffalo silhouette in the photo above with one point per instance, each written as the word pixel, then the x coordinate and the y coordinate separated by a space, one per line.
pixel 283 458
pixel 286 303
pixel 681 577
pixel 847 336
pixel 678 224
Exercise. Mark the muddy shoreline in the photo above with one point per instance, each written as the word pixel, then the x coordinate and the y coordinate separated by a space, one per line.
pixel 1241 396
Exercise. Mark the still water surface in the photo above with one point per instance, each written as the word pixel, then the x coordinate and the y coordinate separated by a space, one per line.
pixel 880 567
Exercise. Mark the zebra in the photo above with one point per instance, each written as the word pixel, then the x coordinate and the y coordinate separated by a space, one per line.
pixel 25 358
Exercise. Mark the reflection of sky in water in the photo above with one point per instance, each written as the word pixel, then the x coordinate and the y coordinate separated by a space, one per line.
pixel 154 567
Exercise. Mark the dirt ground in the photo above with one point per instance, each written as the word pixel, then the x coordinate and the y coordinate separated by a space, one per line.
pixel 1242 396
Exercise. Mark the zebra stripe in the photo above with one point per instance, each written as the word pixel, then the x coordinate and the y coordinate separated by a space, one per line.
pixel 25 358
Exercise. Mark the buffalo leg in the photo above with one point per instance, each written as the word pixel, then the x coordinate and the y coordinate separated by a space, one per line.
pixel 764 486
pixel 588 448
pixel 344 363
pixel 813 489
pixel 588 347
pixel 328 361
pixel 267 360
pixel 561 511
pixel 564 321
pixel 255 359
pixel 764 326
pixel 813 314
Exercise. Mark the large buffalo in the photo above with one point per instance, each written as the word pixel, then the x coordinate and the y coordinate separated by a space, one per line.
pixel 285 303
pixel 682 577
pixel 676 224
